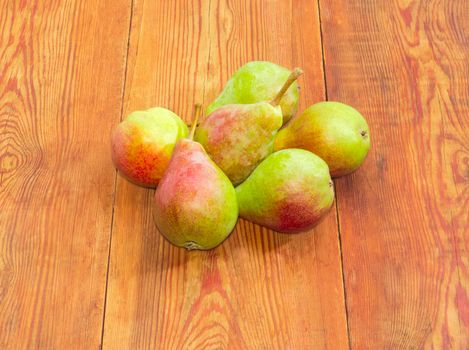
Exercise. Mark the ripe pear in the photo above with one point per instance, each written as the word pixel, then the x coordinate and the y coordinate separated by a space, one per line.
pixel 142 144
pixel 239 136
pixel 195 203
pixel 334 131
pixel 258 81
pixel 290 191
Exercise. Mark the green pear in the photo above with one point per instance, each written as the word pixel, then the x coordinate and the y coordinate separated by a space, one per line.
pixel 195 203
pixel 258 81
pixel 334 131
pixel 239 136
pixel 142 144
pixel 290 191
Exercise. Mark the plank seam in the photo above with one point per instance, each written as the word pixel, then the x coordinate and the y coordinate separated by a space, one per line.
pixel 209 55
pixel 453 234
pixel 115 175
pixel 335 192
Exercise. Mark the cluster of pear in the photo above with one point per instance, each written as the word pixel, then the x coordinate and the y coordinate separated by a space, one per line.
pixel 245 158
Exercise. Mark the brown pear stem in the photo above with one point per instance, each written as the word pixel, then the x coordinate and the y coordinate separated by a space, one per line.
pixel 290 80
pixel 197 112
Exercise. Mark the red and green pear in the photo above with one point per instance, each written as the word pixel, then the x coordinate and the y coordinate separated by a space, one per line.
pixel 239 136
pixel 195 202
pixel 258 81
pixel 142 144
pixel 290 191
pixel 334 131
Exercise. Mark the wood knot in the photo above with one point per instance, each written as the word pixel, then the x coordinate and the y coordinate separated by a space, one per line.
pixel 8 162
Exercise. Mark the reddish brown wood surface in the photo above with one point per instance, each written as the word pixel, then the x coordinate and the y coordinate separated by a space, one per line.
pixel 259 290
pixel 404 214
pixel 67 75
pixel 61 78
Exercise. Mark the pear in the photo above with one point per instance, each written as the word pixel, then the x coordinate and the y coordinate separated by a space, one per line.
pixel 239 136
pixel 258 81
pixel 290 191
pixel 334 131
pixel 195 203
pixel 142 144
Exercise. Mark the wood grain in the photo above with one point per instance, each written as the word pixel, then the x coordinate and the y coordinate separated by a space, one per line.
pixel 259 290
pixel 61 79
pixel 404 214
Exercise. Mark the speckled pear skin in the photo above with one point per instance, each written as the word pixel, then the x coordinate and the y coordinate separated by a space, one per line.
pixel 238 137
pixel 289 192
pixel 258 81
pixel 195 203
pixel 334 131
pixel 142 144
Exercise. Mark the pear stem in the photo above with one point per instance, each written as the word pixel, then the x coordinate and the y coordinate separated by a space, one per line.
pixel 197 112
pixel 290 80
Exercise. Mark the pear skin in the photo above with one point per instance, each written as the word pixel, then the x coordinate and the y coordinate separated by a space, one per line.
pixel 239 136
pixel 195 202
pixel 334 131
pixel 142 144
pixel 258 81
pixel 290 191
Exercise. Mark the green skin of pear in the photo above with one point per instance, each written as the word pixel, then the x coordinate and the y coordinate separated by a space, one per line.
pixel 334 131
pixel 290 191
pixel 258 81
pixel 238 137
pixel 195 202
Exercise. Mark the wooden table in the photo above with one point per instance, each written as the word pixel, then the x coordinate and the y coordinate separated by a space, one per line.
pixel 81 263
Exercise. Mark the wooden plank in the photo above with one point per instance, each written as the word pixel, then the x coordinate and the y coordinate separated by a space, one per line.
pixel 259 290
pixel 61 78
pixel 404 214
